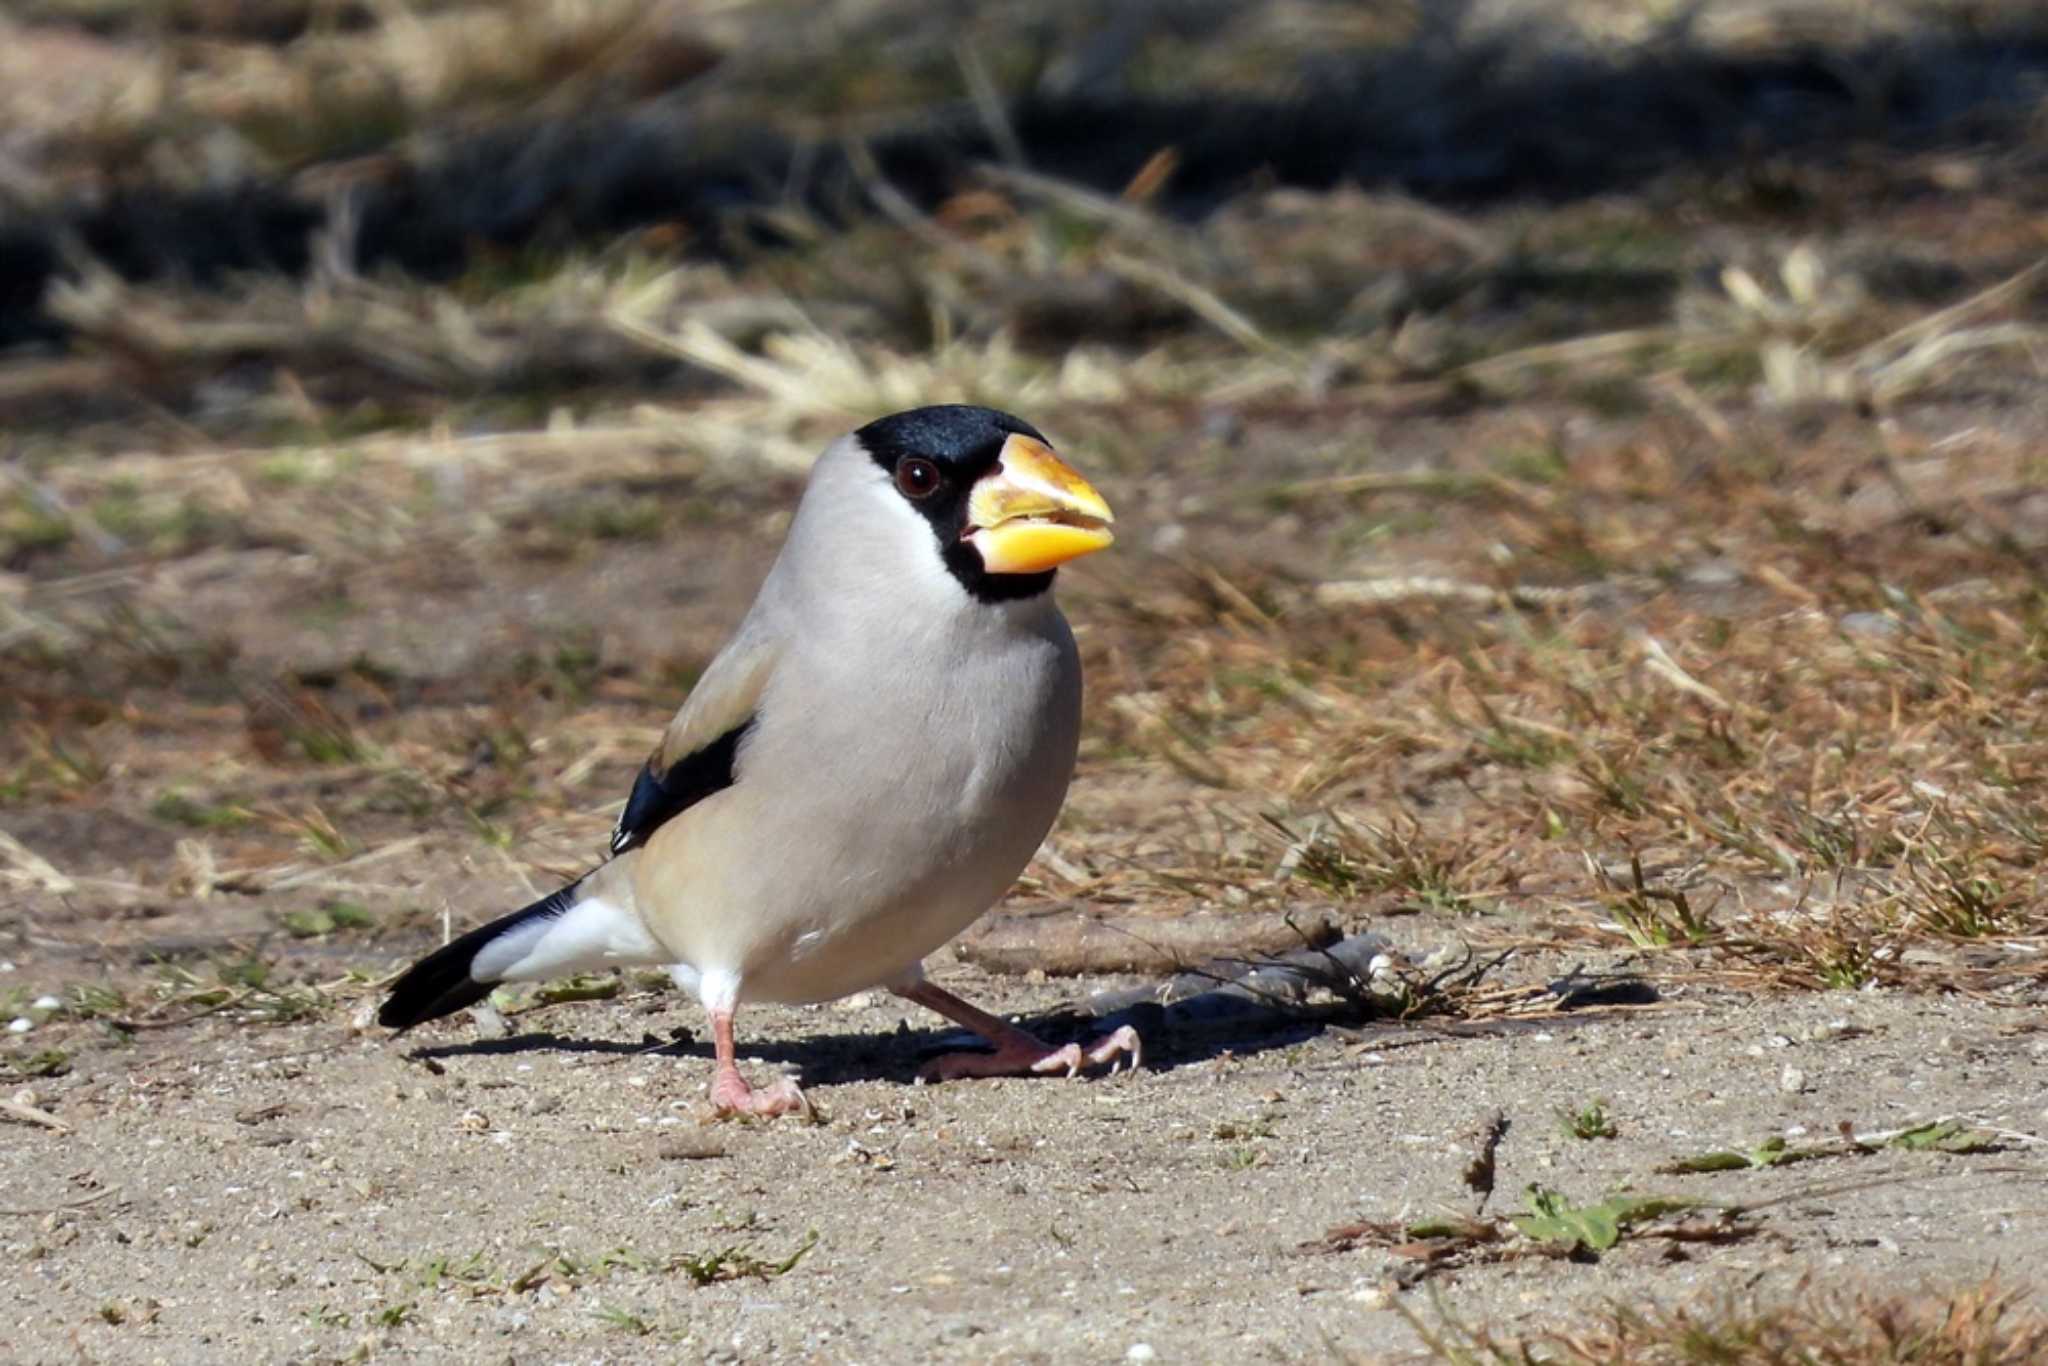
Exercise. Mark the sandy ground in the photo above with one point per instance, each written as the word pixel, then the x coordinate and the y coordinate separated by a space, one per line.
pixel 309 1193
pixel 498 622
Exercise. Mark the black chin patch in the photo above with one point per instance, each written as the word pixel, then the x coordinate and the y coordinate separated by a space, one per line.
pixel 965 562
pixel 965 443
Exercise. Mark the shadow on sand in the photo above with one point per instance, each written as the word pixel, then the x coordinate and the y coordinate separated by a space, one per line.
pixel 891 1055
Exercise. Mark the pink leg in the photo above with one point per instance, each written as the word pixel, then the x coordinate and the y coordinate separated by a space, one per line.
pixel 730 1094
pixel 1018 1052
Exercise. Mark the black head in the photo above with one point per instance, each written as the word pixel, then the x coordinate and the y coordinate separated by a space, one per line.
pixel 934 456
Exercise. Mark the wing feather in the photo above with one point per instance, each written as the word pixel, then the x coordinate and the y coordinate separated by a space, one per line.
pixel 699 753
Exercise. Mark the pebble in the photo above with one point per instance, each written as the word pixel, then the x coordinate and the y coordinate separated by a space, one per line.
pixel 689 1148
pixel 20 1024
pixel 1714 574
pixel 1141 1351
pixel 490 1021
pixel 1791 1080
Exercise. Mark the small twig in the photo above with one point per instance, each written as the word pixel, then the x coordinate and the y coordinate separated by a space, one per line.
pixel 1464 974
pixel 1199 300
pixel 1883 1136
pixel 1739 1209
pixel 1921 330
pixel 988 103
pixel 896 206
pixel 29 866
pixel 29 1114
pixel 1604 346
pixel 331 870
pixel 36 1213
pixel 1659 662
pixel 1117 213
pixel 131 1026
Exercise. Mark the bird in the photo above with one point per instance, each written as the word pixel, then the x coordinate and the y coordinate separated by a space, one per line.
pixel 860 772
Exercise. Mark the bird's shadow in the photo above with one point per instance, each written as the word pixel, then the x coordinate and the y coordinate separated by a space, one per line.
pixel 827 1059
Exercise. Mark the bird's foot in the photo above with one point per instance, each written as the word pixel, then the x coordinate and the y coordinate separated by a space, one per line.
pixel 731 1096
pixel 1021 1054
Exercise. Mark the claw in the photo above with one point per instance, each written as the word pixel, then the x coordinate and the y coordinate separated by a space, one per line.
pixel 1027 1056
pixel 1068 1057
pixel 731 1097
pixel 1017 1052
pixel 1122 1039
pixel 730 1094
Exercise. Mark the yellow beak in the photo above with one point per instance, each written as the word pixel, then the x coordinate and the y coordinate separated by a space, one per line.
pixel 1033 512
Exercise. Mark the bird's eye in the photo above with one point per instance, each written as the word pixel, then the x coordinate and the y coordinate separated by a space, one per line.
pixel 917 478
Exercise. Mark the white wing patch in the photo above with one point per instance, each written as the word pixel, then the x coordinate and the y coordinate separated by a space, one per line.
pixel 593 933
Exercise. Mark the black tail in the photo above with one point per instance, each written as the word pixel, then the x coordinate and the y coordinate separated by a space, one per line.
pixel 440 984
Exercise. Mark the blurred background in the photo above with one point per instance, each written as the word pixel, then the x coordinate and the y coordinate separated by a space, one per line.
pixel 1579 462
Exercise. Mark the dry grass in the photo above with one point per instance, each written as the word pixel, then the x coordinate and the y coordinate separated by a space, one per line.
pixel 1990 1324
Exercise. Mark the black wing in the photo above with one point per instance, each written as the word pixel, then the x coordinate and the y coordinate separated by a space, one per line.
pixel 661 796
